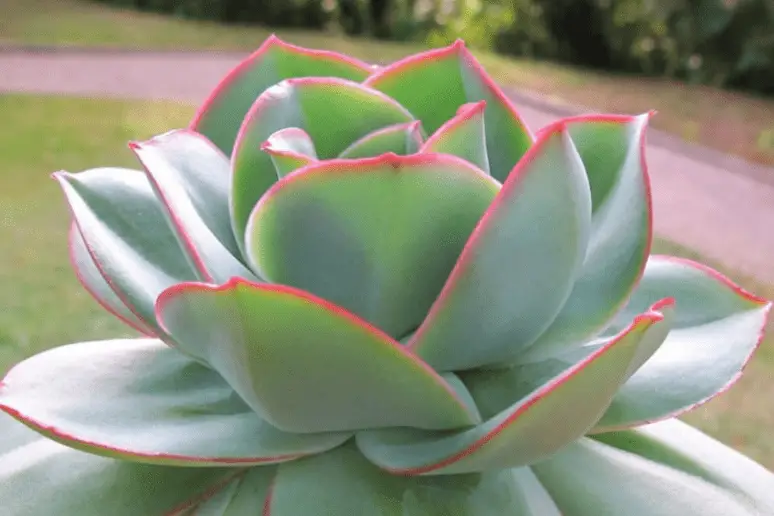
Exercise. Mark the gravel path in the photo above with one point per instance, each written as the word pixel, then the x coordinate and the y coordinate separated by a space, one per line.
pixel 719 205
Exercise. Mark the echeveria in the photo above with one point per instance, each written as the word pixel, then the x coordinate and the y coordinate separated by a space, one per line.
pixel 372 291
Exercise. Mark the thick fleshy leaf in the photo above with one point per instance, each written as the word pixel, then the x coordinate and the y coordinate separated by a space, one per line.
pixel 220 116
pixel 384 232
pixel 307 365
pixel 434 84
pixel 342 482
pixel 142 401
pixel 127 235
pixel 558 411
pixel 519 265
pixel 401 139
pixel 589 478
pixel 247 495
pixel 613 151
pixel 680 446
pixel 717 327
pixel 463 136
pixel 92 280
pixel 40 476
pixel 191 178
pixel 311 104
pixel 290 149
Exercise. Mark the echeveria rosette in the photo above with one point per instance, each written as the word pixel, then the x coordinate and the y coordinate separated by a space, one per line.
pixel 370 290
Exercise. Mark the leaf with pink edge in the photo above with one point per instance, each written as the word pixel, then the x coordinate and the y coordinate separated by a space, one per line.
pixel 220 116
pixel 536 229
pixel 290 149
pixel 401 139
pixel 333 372
pixel 310 104
pixel 536 426
pixel 434 84
pixel 246 495
pixel 463 136
pixel 385 232
pixel 142 401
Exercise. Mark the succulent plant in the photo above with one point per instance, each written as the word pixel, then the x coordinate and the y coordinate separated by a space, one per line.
pixel 372 291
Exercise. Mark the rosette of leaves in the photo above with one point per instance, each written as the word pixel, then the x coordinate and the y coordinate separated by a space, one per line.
pixel 371 290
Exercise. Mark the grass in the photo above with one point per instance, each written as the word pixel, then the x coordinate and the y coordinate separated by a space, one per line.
pixel 727 121
pixel 43 305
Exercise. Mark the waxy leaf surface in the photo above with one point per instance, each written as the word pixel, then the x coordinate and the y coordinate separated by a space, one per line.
pixel 290 149
pixel 401 139
pixel 463 136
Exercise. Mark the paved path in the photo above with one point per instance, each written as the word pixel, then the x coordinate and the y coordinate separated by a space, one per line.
pixel 718 205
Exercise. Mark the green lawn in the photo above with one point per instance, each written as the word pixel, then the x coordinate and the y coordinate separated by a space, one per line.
pixel 43 305
pixel 730 122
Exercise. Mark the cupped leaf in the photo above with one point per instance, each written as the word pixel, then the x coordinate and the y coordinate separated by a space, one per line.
pixel 681 447
pixel 463 136
pixel 613 152
pixel 342 482
pixel 191 178
pixel 589 478
pixel 559 410
pixel 92 280
pixel 518 267
pixel 246 495
pixel 142 401
pixel 221 115
pixel 434 84
pixel 384 232
pixel 311 104
pixel 40 476
pixel 127 235
pixel 401 139
pixel 717 327
pixel 306 365
pixel 289 149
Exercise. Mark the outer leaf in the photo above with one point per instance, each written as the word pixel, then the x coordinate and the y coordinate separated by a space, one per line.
pixel 92 280
pixel 342 482
pixel 290 149
pixel 246 495
pixel 142 401
pixel 311 104
pixel 220 116
pixel 681 447
pixel 38 476
pixel 385 232
pixel 613 151
pixel 401 139
pixel 589 478
pixel 127 236
pixel 519 265
pixel 527 431
pixel 463 136
pixel 434 84
pixel 307 365
pixel 191 178
pixel 718 326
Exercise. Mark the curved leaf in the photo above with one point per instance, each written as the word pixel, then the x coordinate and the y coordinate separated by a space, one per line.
pixel 463 136
pixel 589 478
pixel 384 232
pixel 558 411
pixel 142 401
pixel 307 365
pixel 289 149
pixel 191 179
pixel 220 116
pixel 127 236
pixel 40 476
pixel 519 265
pixel 434 84
pixel 311 104
pixel 244 496
pixel 401 139
pixel 613 152
pixel 717 327
pixel 92 280
pixel 342 482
